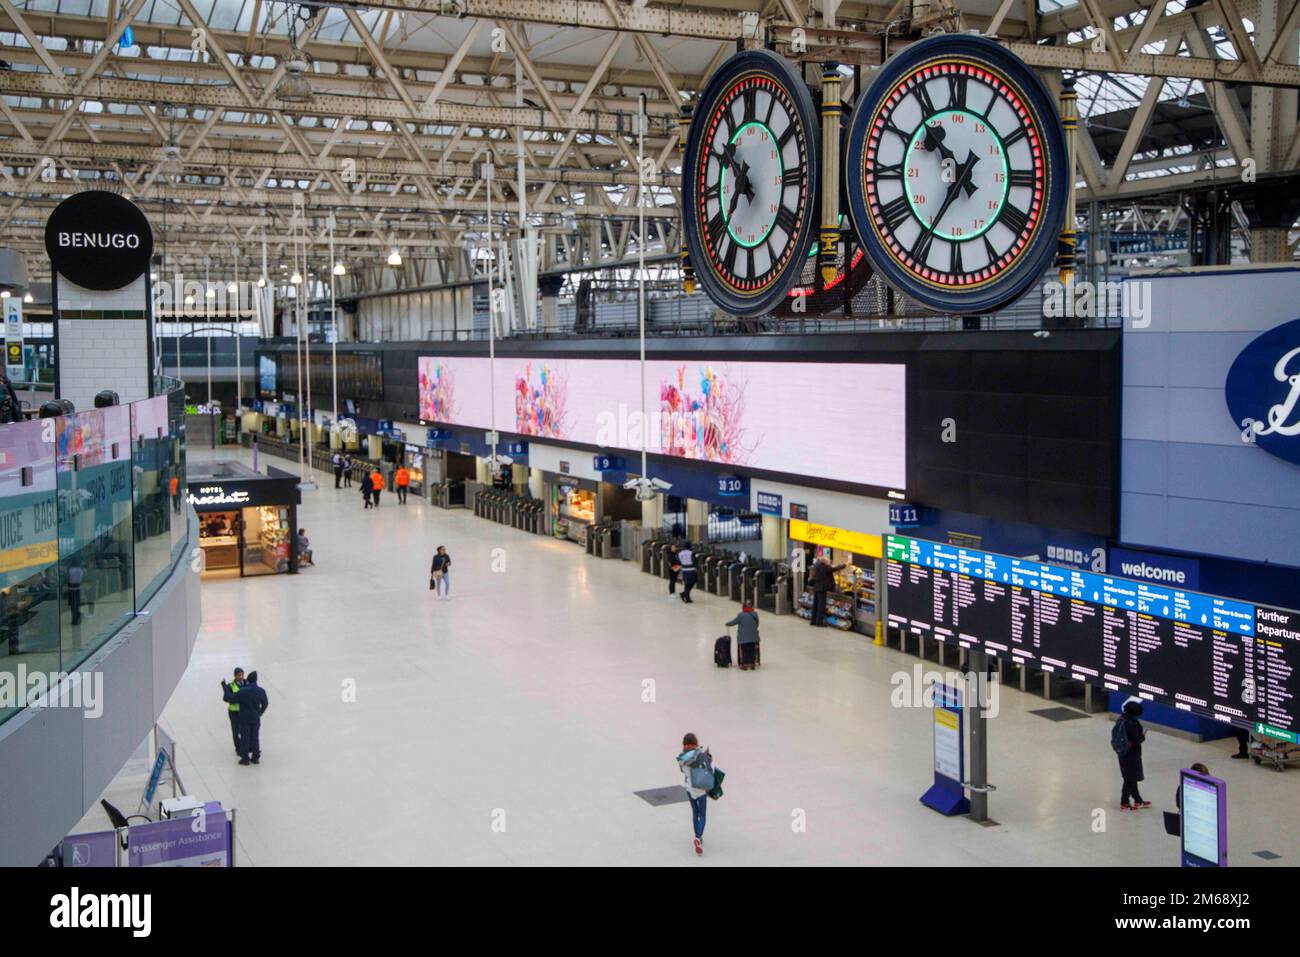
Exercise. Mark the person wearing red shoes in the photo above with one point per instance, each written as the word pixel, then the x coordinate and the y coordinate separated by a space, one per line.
pixel 1127 742
pixel 696 765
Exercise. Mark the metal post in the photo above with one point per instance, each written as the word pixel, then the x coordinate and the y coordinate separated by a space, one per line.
pixel 1069 237
pixel 640 255
pixel 334 322
pixel 489 174
pixel 979 743
pixel 239 359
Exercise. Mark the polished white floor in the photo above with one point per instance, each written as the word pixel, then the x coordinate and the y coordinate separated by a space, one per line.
pixel 512 724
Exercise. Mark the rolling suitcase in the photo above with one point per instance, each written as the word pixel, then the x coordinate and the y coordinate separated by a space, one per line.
pixel 722 652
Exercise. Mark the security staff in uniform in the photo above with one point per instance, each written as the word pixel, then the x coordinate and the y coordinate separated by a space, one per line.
pixel 233 707
pixel 252 703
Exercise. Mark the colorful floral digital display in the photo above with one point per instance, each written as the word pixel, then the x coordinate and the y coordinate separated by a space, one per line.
pixel 540 406
pixel 437 392
pixel 702 417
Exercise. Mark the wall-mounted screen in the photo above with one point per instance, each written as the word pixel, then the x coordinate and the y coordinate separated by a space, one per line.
pixel 844 422
pixel 1225 659
pixel 360 376
pixel 266 376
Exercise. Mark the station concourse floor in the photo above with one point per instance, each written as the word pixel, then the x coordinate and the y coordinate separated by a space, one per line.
pixel 509 725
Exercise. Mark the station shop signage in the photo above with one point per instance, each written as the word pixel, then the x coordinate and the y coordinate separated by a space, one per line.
pixel 1263 392
pixel 207 495
pixel 13 317
pixel 798 512
pixel 859 543
pixel 99 240
pixel 768 503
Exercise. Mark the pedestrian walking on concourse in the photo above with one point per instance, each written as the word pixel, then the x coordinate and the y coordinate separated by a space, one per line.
pixel 403 480
pixel 347 471
pixel 696 765
pixel 252 703
pixel 376 485
pixel 746 622
pixel 232 707
pixel 1126 740
pixel 336 461
pixel 365 488
pixel 440 573
pixel 686 558
pixel 674 569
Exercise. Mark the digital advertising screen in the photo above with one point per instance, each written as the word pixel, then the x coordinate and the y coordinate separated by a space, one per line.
pixel 840 421
pixel 266 381
pixel 1218 657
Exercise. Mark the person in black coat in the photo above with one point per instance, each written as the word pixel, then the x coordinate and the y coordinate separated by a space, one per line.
pixel 252 703
pixel 365 488
pixel 823 582
pixel 1130 762
pixel 11 410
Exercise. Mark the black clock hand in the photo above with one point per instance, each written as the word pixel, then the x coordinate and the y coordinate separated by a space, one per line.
pixel 963 175
pixel 742 179
pixel 934 136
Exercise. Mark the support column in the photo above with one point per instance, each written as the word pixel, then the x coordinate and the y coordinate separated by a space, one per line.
pixel 697 520
pixel 536 483
pixel 979 742
pixel 652 513
pixel 774 544
pixel 549 288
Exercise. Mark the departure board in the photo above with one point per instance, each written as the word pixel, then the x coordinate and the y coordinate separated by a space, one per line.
pixel 1225 659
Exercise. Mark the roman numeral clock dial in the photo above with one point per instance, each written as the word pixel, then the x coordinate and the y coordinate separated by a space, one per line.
pixel 749 182
pixel 956 174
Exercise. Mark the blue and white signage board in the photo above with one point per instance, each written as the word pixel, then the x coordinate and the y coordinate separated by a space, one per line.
pixel 609 463
pixel 13 309
pixel 1204 838
pixel 731 486
pixel 432 436
pixel 1154 567
pixel 946 795
pixel 768 503
pixel 905 515
pixel 516 448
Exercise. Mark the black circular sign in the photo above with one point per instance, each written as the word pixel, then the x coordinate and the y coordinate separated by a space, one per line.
pixel 99 240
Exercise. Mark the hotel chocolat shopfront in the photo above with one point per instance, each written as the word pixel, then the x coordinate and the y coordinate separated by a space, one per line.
pixel 248 522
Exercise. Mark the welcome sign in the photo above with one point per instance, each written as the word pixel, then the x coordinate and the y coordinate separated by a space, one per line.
pixel 1263 391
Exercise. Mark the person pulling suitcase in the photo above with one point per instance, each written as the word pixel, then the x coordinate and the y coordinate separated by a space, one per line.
pixel 746 623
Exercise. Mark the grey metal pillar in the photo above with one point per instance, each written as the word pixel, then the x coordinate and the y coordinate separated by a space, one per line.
pixel 979 742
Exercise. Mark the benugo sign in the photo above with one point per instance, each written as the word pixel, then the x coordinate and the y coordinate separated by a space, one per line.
pixel 860 543
pixel 98 240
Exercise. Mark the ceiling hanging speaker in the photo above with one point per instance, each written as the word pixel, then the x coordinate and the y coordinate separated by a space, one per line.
pixel 957 174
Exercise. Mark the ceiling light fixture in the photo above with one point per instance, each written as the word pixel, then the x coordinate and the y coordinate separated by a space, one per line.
pixel 394 258
pixel 296 278
pixel 340 269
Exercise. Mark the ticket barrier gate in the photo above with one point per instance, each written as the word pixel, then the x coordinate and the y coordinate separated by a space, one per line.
pixel 729 579
pixel 709 572
pixel 535 517
pixel 647 555
pixel 783 592
pixel 451 495
pixel 609 539
pixel 761 579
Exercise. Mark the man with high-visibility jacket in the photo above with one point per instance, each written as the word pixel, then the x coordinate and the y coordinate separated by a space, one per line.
pixel 233 706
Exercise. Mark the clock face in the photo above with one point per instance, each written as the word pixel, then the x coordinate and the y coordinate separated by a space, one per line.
pixel 956 174
pixel 749 182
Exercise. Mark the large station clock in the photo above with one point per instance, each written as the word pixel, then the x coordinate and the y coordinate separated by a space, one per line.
pixel 956 173
pixel 750 181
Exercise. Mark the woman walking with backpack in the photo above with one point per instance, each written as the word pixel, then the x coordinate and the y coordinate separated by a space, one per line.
pixel 440 573
pixel 1126 740
pixel 696 765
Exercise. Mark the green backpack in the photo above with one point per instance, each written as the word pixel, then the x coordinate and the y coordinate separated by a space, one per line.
pixel 715 792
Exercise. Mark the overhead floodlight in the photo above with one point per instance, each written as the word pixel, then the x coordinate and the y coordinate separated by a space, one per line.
pixel 29 298
pixel 394 258
pixel 296 278
pixel 340 269
pixel 261 282
pixel 232 289
pixel 5 294
pixel 294 85
pixel 211 293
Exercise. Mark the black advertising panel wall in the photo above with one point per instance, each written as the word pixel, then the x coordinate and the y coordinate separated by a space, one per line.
pixel 1037 420
pixel 1026 434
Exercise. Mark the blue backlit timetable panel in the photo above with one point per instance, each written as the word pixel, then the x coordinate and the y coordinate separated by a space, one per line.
pixel 1225 659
